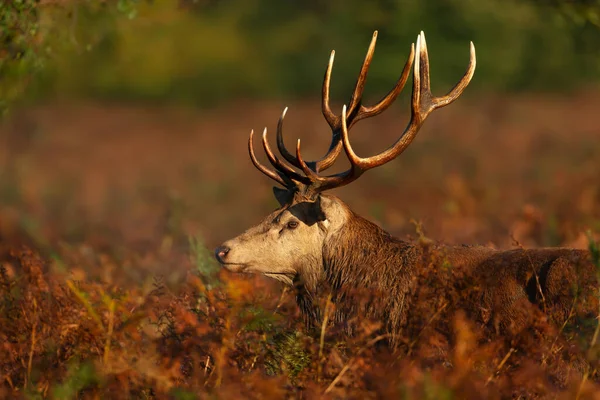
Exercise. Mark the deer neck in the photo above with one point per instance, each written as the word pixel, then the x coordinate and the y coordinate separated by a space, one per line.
pixel 359 253
pixel 357 257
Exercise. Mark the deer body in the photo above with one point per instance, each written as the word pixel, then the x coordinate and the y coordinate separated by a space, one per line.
pixel 348 255
pixel 316 244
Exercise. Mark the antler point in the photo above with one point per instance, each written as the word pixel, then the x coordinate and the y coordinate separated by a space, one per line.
pixel 420 105
pixel 423 41
pixel 418 48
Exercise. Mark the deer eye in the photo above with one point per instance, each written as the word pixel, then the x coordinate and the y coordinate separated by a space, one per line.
pixel 292 224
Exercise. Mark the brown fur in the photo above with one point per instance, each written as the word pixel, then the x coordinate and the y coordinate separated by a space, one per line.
pixel 317 244
pixel 371 274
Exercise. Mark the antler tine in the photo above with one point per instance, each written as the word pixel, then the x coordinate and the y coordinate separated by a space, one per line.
pixel 320 183
pixel 422 104
pixel 332 119
pixel 271 174
pixel 356 100
pixel 383 104
pixel 281 146
pixel 359 88
pixel 356 110
pixel 333 152
pixel 459 88
pixel 305 168
pixel 280 166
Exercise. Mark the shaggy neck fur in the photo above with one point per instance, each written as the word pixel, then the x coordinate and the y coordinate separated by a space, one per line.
pixel 367 272
pixel 370 274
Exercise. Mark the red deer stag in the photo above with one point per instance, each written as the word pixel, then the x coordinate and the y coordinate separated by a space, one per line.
pixel 314 240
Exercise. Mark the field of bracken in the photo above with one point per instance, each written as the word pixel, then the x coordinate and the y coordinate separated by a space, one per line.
pixel 109 289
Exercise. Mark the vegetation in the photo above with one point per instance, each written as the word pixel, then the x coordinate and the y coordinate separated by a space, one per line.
pixel 38 36
pixel 107 212
pixel 205 52
pixel 107 288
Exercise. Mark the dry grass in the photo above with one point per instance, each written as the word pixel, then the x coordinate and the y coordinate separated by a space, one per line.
pixel 107 290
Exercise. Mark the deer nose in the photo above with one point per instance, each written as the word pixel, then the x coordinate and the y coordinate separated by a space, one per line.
pixel 221 252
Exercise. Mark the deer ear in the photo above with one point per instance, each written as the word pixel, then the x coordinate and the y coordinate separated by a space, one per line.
pixel 319 203
pixel 283 196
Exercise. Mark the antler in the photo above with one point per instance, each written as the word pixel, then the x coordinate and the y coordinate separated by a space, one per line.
pixel 356 111
pixel 286 175
pixel 422 104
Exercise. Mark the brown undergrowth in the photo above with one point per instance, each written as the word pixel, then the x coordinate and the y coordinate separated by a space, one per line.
pixel 107 291
pixel 217 336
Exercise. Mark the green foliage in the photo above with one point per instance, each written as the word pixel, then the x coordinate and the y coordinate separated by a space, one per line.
pixel 204 261
pixel 260 320
pixel 288 354
pixel 272 49
pixel 286 351
pixel 18 48
pixel 10 193
pixel 594 248
pixel 79 377
pixel 207 52
pixel 579 11
pixel 180 394
pixel 36 37
pixel 432 390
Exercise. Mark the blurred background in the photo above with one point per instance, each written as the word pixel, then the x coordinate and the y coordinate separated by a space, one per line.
pixel 125 123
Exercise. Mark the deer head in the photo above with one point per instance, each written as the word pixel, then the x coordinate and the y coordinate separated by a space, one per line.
pixel 290 240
